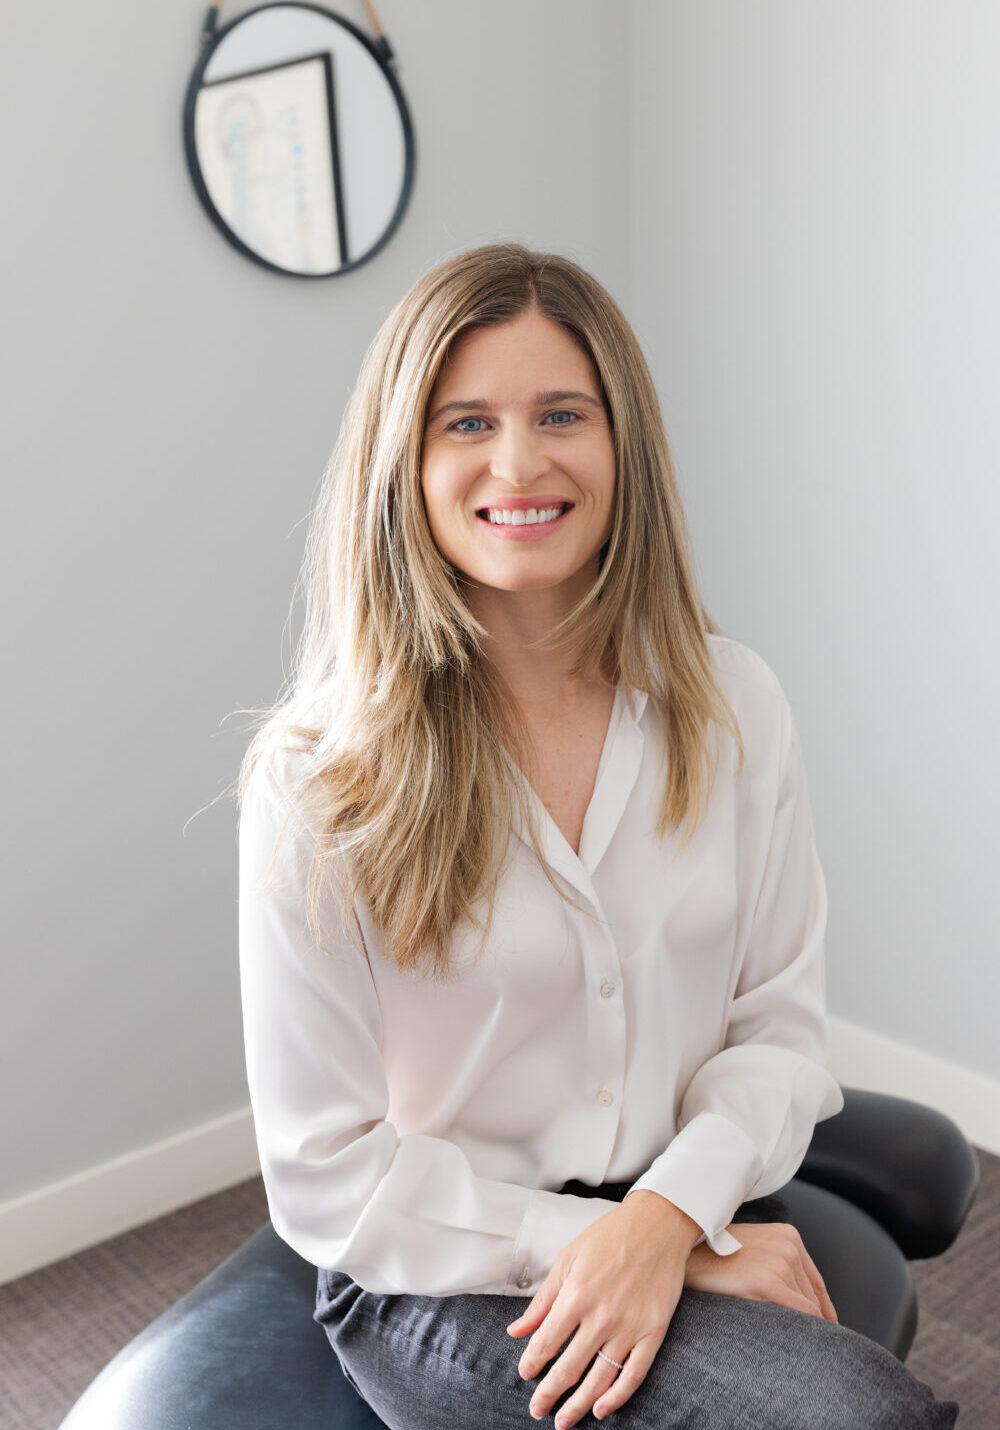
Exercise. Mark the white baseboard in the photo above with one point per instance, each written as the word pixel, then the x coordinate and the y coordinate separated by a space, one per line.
pixel 861 1058
pixel 65 1217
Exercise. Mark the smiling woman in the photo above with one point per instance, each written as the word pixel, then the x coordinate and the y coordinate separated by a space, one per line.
pixel 530 900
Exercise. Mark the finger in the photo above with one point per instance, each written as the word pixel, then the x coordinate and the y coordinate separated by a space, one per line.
pixel 784 1292
pixel 536 1310
pixel 545 1344
pixel 627 1381
pixel 793 1271
pixel 806 1287
pixel 806 1275
pixel 600 1378
pixel 527 1321
pixel 819 1285
pixel 568 1371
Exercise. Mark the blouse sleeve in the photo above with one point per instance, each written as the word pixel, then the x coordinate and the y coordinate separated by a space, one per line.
pixel 397 1213
pixel 748 1114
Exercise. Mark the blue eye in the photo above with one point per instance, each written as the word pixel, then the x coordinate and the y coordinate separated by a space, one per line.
pixel 557 412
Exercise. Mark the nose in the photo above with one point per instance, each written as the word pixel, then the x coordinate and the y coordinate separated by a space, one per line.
pixel 518 455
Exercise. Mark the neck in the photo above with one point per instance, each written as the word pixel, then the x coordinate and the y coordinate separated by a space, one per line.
pixel 538 679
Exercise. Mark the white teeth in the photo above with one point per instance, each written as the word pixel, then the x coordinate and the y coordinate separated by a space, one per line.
pixel 522 517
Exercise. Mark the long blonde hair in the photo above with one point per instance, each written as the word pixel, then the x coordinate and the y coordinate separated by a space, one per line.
pixel 407 767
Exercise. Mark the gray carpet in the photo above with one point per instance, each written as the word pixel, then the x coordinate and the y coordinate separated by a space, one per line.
pixel 61 1325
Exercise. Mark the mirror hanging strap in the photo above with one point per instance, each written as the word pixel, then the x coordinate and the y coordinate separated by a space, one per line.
pixel 211 21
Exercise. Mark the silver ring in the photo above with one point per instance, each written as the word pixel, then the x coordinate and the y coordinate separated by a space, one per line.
pixel 613 1362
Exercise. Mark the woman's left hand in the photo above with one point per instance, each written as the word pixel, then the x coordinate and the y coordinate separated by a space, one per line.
pixel 616 1285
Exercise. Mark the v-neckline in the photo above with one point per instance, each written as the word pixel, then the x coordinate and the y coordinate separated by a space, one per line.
pixel 617 773
pixel 555 832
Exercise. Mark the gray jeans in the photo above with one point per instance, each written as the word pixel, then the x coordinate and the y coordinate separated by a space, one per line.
pixel 726 1363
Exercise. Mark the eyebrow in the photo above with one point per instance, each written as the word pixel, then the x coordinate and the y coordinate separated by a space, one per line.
pixel 541 398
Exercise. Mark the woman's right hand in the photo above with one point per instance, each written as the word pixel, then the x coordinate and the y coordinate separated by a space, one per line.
pixel 772 1265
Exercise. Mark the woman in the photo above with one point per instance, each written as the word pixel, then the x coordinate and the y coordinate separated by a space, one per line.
pixel 531 914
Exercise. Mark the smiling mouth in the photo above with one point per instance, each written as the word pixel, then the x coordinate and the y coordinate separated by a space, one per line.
pixel 484 514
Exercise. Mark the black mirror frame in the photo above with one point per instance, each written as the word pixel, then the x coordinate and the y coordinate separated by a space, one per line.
pixel 210 43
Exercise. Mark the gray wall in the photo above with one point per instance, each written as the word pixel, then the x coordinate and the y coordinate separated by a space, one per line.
pixel 794 205
pixel 817 228
pixel 173 408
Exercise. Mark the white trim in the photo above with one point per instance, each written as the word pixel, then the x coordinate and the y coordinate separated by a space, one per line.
pixel 861 1058
pixel 65 1217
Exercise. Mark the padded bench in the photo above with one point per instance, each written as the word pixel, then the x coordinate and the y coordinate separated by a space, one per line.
pixel 885 1181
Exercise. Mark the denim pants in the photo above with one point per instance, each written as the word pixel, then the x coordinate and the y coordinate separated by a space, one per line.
pixel 726 1363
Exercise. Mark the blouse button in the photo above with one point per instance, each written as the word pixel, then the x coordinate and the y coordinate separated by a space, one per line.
pixel 523 1281
pixel 605 1098
pixel 607 988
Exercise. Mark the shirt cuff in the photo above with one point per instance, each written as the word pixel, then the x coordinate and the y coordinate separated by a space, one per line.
pixel 707 1171
pixel 552 1221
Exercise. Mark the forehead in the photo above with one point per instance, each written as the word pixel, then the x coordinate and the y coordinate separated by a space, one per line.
pixel 530 351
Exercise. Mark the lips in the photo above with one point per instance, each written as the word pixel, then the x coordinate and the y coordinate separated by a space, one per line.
pixel 519 528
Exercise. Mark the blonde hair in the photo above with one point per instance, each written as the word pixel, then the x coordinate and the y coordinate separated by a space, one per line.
pixel 407 767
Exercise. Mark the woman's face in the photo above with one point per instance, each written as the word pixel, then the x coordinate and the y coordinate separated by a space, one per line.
pixel 525 430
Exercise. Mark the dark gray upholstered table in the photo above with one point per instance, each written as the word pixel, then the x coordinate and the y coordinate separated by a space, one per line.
pixel 885 1181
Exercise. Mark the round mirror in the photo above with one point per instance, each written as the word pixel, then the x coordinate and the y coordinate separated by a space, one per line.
pixel 298 139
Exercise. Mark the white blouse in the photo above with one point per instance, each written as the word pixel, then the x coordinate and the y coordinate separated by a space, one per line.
pixel 673 1034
